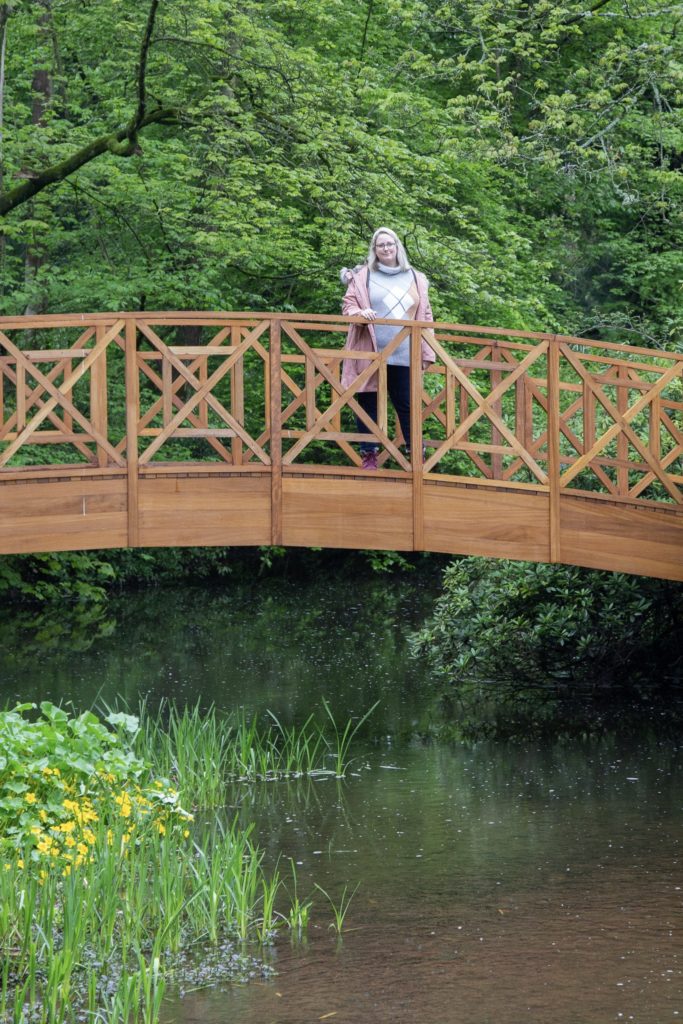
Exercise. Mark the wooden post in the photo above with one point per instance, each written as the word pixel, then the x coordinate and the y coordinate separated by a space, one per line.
pixel 237 395
pixel 622 440
pixel 98 396
pixel 21 397
pixel 275 432
pixel 132 413
pixel 554 466
pixel 497 406
pixel 416 436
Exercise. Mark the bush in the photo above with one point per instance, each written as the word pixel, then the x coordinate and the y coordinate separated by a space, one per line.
pixel 519 647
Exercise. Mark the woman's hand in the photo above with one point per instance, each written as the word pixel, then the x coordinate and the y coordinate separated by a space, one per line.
pixel 368 313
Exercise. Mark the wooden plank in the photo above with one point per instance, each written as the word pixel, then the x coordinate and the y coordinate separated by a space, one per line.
pixel 416 459
pixel 21 398
pixel 132 413
pixel 309 389
pixel 237 395
pixel 613 536
pixel 98 397
pixel 276 514
pixel 360 512
pixel 62 515
pixel 622 440
pixel 473 521
pixel 554 539
pixel 178 510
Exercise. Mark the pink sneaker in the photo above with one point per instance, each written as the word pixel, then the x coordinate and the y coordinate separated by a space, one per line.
pixel 370 459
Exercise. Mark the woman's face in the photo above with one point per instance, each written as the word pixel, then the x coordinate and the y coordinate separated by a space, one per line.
pixel 386 251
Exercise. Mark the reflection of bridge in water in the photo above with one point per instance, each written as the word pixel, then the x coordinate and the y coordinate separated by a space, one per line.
pixel 158 429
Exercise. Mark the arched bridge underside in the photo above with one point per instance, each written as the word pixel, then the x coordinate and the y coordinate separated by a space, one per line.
pixel 158 429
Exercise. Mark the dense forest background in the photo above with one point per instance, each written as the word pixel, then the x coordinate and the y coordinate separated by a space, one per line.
pixel 222 155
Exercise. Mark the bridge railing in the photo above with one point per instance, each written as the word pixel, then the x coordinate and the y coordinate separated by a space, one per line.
pixel 249 392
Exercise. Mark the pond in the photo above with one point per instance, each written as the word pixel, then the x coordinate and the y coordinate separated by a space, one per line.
pixel 515 884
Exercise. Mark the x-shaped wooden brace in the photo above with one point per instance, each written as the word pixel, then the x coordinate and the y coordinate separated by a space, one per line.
pixel 179 382
pixel 58 396
pixel 484 408
pixel 202 392
pixel 565 429
pixel 34 396
pixel 345 396
pixel 622 422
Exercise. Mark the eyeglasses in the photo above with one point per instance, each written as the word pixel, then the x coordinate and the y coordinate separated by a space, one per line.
pixel 385 245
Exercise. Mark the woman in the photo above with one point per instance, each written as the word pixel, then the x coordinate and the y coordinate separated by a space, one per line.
pixel 385 288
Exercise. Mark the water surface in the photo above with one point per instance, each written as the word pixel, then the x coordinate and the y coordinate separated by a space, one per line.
pixel 498 883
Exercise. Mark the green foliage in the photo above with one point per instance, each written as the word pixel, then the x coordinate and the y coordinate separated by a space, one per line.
pixel 60 775
pixel 516 647
pixel 529 156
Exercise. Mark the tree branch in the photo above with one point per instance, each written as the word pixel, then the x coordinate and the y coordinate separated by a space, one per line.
pixel 137 120
pixel 58 172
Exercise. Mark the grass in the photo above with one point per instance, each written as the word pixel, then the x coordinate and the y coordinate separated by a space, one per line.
pixel 105 881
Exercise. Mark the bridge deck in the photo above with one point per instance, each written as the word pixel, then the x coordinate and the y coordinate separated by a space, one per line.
pixel 538 448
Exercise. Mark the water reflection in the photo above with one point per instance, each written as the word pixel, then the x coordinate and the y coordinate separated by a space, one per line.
pixel 274 645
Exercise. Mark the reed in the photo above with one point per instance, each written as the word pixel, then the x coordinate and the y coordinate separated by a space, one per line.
pixel 341 908
pixel 343 737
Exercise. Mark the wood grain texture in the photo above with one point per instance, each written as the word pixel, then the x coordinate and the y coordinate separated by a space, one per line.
pixel 356 512
pixel 198 511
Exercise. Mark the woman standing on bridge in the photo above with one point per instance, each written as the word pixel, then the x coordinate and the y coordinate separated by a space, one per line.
pixel 388 288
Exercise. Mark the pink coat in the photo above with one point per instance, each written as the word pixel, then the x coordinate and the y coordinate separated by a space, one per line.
pixel 362 336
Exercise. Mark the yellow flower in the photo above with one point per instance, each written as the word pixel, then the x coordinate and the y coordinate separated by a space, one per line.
pixel 42 814
pixel 20 863
pixel 89 836
pixel 30 798
pixel 186 833
pixel 8 867
pixel 66 826
pixel 161 827
pixel 70 841
pixel 67 871
pixel 82 849
pixel 55 851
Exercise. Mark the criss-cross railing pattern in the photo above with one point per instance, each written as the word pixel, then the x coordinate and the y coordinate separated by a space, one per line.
pixel 246 391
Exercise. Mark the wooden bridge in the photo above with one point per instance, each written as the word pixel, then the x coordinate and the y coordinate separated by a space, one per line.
pixel 155 429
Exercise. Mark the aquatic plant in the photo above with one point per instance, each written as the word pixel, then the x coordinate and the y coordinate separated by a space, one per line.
pixel 341 908
pixel 204 750
pixel 343 737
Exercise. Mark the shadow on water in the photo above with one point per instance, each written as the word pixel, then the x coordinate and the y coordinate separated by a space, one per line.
pixel 507 884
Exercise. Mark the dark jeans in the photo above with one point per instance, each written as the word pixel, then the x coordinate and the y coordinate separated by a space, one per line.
pixel 398 386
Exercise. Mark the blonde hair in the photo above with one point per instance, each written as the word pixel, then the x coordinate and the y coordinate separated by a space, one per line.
pixel 401 255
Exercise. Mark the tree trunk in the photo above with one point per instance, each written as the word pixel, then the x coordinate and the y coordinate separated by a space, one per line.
pixel 42 89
